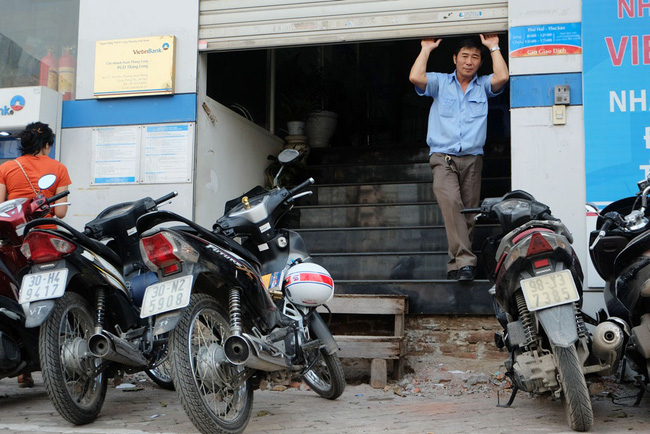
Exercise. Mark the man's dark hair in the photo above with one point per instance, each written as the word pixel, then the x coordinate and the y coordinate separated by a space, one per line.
pixel 34 138
pixel 469 43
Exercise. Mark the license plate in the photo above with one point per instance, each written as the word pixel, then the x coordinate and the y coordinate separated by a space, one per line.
pixel 549 290
pixel 165 296
pixel 43 286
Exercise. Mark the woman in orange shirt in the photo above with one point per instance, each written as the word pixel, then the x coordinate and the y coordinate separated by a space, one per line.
pixel 19 178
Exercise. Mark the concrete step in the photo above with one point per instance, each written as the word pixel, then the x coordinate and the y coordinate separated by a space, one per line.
pixel 435 297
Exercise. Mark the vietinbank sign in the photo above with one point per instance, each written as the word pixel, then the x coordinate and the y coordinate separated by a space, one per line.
pixel 134 67
pixel 616 67
pixel 16 104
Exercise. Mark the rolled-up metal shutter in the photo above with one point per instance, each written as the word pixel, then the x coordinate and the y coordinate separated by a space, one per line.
pixel 252 24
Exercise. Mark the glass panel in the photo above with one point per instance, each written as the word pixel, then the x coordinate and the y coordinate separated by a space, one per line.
pixel 38 44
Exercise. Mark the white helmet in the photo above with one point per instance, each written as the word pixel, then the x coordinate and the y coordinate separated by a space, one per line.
pixel 308 284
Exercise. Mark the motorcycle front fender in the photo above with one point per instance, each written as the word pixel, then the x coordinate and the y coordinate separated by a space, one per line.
pixel 559 323
pixel 323 333
pixel 37 312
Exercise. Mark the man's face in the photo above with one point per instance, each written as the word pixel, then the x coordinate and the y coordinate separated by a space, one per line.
pixel 467 62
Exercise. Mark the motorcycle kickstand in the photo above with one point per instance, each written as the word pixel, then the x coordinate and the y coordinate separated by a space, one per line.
pixel 515 389
pixel 639 397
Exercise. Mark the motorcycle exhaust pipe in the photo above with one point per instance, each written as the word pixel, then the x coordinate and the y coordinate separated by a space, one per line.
pixel 608 340
pixel 110 347
pixel 249 351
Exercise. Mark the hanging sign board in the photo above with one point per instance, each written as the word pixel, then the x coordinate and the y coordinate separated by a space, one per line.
pixel 134 67
pixel 545 40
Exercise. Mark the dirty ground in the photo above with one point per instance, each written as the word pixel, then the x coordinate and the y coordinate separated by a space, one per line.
pixel 449 396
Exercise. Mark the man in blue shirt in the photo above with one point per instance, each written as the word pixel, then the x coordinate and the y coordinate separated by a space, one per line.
pixel 456 136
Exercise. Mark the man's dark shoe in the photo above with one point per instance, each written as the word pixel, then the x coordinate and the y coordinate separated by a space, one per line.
pixel 466 273
pixel 25 380
pixel 452 275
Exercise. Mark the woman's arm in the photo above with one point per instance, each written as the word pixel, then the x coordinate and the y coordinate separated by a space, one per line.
pixel 61 210
pixel 3 192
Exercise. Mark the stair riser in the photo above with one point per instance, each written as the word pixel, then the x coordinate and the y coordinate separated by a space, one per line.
pixel 386 267
pixel 442 297
pixel 385 240
pixel 378 193
pixel 370 216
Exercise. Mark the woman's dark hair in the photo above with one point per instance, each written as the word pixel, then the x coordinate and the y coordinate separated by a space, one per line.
pixel 470 43
pixel 34 138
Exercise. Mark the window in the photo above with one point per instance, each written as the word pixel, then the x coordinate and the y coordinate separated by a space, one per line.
pixel 38 44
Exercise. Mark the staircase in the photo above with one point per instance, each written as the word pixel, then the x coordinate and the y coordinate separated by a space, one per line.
pixel 374 224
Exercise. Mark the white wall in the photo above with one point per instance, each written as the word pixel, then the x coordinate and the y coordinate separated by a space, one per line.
pixel 122 19
pixel 231 158
pixel 548 160
pixel 88 200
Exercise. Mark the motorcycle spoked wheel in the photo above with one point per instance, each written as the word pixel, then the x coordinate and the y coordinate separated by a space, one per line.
pixel 326 377
pixel 577 402
pixel 162 373
pixel 201 373
pixel 65 362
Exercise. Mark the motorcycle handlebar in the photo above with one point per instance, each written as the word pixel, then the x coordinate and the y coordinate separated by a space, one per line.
pixel 471 211
pixel 301 186
pixel 166 197
pixel 57 197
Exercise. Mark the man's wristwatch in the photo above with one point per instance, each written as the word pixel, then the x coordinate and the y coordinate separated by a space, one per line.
pixel 493 49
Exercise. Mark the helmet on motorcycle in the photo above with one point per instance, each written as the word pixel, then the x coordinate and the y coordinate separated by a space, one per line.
pixel 308 284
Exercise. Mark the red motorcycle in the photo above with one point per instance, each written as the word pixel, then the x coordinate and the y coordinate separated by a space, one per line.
pixel 18 343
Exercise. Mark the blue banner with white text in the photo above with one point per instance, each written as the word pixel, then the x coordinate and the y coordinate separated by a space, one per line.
pixel 616 83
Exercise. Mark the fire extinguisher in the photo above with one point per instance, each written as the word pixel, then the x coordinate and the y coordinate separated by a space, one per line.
pixel 67 70
pixel 49 76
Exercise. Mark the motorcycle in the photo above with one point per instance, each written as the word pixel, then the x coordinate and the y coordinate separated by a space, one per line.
pixel 85 295
pixel 537 298
pixel 18 344
pixel 244 314
pixel 619 251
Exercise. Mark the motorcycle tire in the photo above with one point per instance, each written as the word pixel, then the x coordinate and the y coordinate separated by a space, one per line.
pixel 77 394
pixel 201 374
pixel 577 402
pixel 326 377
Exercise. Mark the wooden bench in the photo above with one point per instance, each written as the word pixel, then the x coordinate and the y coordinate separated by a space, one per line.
pixel 378 348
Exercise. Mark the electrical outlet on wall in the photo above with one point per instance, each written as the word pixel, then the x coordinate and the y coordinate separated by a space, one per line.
pixel 559 114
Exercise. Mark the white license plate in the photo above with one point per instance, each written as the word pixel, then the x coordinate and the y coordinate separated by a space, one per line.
pixel 165 296
pixel 549 290
pixel 43 286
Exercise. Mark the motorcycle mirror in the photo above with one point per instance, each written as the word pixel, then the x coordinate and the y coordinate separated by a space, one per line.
pixel 46 181
pixel 288 156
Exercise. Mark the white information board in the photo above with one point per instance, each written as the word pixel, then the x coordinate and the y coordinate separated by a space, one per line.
pixel 167 156
pixel 143 154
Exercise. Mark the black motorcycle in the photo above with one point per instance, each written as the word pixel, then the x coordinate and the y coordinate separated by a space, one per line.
pixel 620 252
pixel 84 289
pixel 239 314
pixel 538 297
pixel 18 343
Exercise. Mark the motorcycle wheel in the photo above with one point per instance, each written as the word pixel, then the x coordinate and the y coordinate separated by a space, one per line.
pixel 326 377
pixel 577 402
pixel 202 375
pixel 66 363
pixel 162 373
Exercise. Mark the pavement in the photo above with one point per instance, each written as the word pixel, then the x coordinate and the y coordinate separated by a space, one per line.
pixel 438 400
